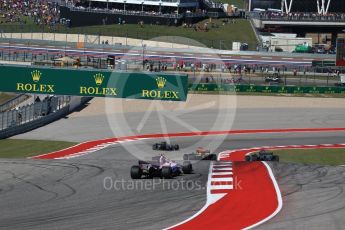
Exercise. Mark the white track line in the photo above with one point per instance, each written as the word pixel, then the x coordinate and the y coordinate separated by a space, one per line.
pixel 222 187
pixel 224 179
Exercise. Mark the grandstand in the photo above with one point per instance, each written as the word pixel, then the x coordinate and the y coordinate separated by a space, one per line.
pixel 163 12
pixel 287 6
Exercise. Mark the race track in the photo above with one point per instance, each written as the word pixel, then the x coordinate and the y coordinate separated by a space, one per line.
pixel 313 197
pixel 199 113
pixel 70 194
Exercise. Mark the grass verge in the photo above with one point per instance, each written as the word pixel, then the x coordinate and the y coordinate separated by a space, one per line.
pixel 220 35
pixel 238 3
pixel 10 148
pixel 313 156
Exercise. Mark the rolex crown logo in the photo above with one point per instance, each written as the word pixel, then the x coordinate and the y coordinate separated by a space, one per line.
pixel 99 78
pixel 36 75
pixel 161 82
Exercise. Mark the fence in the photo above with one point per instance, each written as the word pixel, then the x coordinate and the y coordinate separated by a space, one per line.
pixel 299 78
pixel 10 104
pixel 29 113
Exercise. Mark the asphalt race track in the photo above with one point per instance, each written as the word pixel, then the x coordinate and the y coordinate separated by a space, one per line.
pixel 77 194
pixel 313 197
pixel 71 194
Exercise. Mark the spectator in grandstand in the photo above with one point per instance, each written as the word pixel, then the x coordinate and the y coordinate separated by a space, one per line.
pixel 42 12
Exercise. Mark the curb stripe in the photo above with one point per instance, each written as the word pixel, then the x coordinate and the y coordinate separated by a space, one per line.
pixel 90 144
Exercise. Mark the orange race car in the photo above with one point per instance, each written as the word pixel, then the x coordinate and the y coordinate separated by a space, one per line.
pixel 201 154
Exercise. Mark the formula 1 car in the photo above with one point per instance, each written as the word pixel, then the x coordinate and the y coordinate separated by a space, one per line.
pixel 262 156
pixel 160 167
pixel 274 78
pixel 201 154
pixel 165 146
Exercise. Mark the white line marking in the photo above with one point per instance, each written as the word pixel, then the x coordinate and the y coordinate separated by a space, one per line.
pixel 204 207
pixel 222 179
pixel 221 187
pixel 217 169
pixel 221 173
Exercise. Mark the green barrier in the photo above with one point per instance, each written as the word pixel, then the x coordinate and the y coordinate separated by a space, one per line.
pixel 94 83
pixel 265 89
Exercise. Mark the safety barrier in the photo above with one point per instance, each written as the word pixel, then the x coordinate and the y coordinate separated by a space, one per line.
pixel 10 104
pixel 38 119
pixel 265 89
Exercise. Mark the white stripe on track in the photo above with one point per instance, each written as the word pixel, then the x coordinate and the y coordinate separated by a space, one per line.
pixel 222 187
pixel 224 179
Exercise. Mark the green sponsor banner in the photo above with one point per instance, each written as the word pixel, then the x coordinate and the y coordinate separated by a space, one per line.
pixel 265 89
pixel 323 63
pixel 94 83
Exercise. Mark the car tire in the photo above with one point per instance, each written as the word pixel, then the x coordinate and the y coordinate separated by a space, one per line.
pixel 151 172
pixel 166 172
pixel 213 157
pixel 248 158
pixel 154 147
pixel 276 158
pixel 187 167
pixel 176 147
pixel 185 157
pixel 136 172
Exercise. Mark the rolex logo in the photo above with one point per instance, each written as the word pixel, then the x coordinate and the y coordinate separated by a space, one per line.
pixel 161 82
pixel 36 75
pixel 99 78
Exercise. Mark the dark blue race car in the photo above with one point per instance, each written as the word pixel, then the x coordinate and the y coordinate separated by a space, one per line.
pixel 262 156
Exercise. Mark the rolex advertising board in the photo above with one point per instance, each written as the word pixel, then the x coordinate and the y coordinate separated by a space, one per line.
pixel 93 83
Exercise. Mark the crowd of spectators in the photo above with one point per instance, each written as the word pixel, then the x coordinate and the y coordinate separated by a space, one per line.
pixel 42 12
pixel 125 12
pixel 301 16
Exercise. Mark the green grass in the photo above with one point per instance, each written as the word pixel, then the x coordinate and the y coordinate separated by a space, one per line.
pixel 10 148
pixel 313 156
pixel 5 97
pixel 237 3
pixel 218 36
